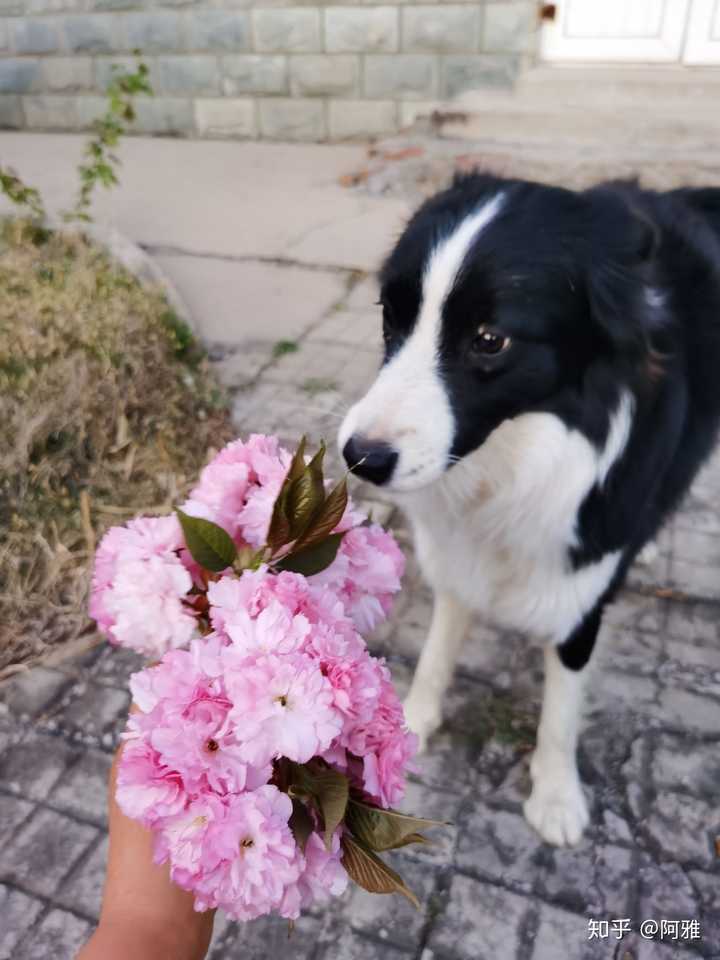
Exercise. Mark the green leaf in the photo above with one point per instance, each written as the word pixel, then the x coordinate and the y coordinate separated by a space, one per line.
pixel 306 495
pixel 313 559
pixel 327 517
pixel 279 530
pixel 297 465
pixel 261 555
pixel 305 498
pixel 369 872
pixel 330 790
pixel 316 464
pixel 209 544
pixel 301 823
pixel 244 559
pixel 413 838
pixel 385 829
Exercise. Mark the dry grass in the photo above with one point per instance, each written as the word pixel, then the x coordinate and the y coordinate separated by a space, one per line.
pixel 107 409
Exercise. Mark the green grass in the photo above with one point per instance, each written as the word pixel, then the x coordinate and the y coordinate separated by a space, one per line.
pixel 497 717
pixel 283 347
pixel 182 339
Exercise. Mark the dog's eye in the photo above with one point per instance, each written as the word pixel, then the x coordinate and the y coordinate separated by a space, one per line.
pixel 488 343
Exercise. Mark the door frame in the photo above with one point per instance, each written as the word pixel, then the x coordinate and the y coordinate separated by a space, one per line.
pixel 700 48
pixel 667 47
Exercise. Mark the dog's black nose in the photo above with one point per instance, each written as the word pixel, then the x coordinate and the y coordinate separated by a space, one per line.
pixel 370 459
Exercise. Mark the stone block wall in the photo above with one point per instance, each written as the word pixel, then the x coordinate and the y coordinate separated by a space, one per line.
pixel 257 68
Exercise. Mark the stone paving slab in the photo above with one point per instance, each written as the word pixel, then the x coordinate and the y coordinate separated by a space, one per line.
pixel 251 305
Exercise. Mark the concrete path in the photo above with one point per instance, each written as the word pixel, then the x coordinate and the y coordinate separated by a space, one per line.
pixel 247 201
pixel 490 890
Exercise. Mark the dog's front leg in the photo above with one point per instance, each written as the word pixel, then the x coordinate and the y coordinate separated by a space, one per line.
pixel 557 807
pixel 423 706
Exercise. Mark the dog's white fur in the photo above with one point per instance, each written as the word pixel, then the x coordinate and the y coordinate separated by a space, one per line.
pixel 408 405
pixel 492 534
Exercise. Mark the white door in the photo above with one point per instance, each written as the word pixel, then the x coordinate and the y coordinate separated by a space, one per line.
pixel 638 31
pixel 703 33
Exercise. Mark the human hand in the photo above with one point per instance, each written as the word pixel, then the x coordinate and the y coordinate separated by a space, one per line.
pixel 144 916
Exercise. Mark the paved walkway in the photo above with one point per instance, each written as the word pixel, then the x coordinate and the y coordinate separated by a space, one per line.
pixel 256 275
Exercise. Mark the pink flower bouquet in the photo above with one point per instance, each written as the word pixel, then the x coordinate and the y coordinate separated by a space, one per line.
pixel 268 746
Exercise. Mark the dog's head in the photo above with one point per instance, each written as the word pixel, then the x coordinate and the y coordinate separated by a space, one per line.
pixel 500 298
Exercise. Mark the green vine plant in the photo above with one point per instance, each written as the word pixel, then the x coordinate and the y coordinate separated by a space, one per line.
pixel 101 162
pixel 20 194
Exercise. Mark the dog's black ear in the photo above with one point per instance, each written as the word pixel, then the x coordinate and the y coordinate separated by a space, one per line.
pixel 620 256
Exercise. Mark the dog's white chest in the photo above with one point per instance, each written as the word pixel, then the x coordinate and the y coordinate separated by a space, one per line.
pixel 497 529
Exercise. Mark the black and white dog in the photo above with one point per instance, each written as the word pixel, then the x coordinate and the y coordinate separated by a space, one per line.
pixel 551 385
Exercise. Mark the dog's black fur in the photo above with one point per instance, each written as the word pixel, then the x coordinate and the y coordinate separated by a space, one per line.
pixel 608 289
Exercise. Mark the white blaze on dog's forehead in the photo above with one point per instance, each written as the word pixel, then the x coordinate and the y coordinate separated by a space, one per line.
pixel 446 261
pixel 408 406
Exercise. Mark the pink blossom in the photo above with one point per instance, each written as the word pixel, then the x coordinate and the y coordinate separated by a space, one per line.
pixel 105 563
pixel 141 538
pixel 205 750
pixel 384 744
pixel 174 680
pixel 284 706
pixel 147 791
pixel 254 591
pixel 284 673
pixel 185 721
pixel 238 487
pixel 324 875
pixel 292 590
pixel 385 767
pixel 248 859
pixel 265 456
pixel 353 517
pixel 146 605
pixel 155 536
pixel 349 668
pixel 323 608
pixel 181 838
pixel 220 495
pixel 230 593
pixel 256 514
pixel 365 575
pixel 151 541
pixel 252 628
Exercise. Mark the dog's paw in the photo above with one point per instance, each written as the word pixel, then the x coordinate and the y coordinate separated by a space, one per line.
pixel 423 718
pixel 557 809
